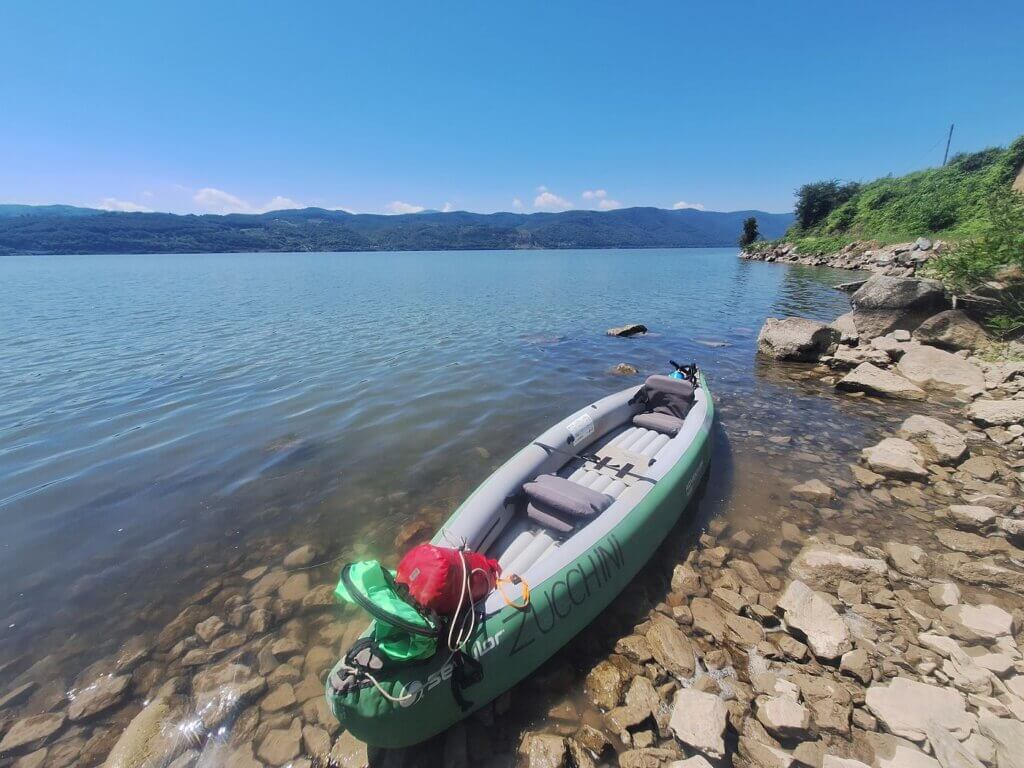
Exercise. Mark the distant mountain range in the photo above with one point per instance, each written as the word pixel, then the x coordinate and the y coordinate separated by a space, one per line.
pixel 51 229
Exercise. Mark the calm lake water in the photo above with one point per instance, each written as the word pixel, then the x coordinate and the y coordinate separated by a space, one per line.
pixel 162 418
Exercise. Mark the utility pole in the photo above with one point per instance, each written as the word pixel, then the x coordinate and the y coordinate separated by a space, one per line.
pixel 949 138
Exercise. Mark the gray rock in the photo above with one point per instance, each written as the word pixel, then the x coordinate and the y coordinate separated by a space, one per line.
pixel 1008 738
pixel 938 369
pixel 281 745
pixel 857 663
pixel 808 612
pixel 881 383
pixel 944 594
pixel 885 304
pixel 670 647
pixel 823 566
pixel 627 330
pixel 783 717
pixel 98 696
pixel 699 720
pixel 952 330
pixel 34 730
pixel 978 622
pixel 996 413
pixel 831 761
pixel 940 442
pixel 971 517
pixel 814 491
pixel 908 559
pixel 895 457
pixel 795 338
pixel 947 750
pixel 846 329
pixel 982 572
pixel 148 739
pixel 543 750
pixel 301 557
pixel 906 707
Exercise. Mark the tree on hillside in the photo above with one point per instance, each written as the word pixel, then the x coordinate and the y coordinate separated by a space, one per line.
pixel 816 201
pixel 750 233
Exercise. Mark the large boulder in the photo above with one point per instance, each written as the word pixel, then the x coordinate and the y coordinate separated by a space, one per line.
pixel 996 413
pixel 939 441
pixel 881 383
pixel 885 304
pixel 932 367
pixel 795 338
pixel 951 329
pixel 810 613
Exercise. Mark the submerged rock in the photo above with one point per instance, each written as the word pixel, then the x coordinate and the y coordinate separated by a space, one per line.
pixel 881 383
pixel 823 566
pixel 624 369
pixel 100 695
pixel 795 338
pixel 895 457
pixel 627 330
pixel 34 730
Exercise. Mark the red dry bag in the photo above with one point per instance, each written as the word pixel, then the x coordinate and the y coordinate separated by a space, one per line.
pixel 435 576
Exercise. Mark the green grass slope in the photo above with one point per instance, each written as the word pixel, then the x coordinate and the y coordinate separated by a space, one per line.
pixel 951 203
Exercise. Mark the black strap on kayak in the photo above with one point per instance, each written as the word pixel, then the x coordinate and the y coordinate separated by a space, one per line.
pixel 466 671
pixel 602 462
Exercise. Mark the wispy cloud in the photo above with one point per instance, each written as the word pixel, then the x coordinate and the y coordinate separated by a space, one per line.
pixel 549 201
pixel 607 204
pixel 447 208
pixel 399 207
pixel 594 194
pixel 212 200
pixel 683 204
pixel 280 203
pixel 113 204
pixel 517 203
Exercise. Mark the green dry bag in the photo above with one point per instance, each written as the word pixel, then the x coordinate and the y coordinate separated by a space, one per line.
pixel 401 631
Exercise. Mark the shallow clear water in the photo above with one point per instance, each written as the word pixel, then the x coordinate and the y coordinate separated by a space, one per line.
pixel 163 416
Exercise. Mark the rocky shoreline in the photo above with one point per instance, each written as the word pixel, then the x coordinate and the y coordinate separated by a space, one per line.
pixel 868 614
pixel 898 260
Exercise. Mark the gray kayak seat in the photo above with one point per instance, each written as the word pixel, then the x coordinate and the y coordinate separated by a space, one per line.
pixel 659 422
pixel 666 402
pixel 558 503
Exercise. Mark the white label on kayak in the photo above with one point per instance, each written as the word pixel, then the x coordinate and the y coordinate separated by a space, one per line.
pixel 581 427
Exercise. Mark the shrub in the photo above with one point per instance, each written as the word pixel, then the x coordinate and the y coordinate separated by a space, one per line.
pixel 816 201
pixel 1000 244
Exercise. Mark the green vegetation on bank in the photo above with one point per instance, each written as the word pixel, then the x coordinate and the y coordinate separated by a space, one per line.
pixel 952 203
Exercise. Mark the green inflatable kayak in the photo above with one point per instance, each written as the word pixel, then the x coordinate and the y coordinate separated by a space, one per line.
pixel 571 518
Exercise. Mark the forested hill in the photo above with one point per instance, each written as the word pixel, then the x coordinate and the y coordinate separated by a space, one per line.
pixel 66 229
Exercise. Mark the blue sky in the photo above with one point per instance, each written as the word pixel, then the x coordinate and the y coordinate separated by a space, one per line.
pixel 386 107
